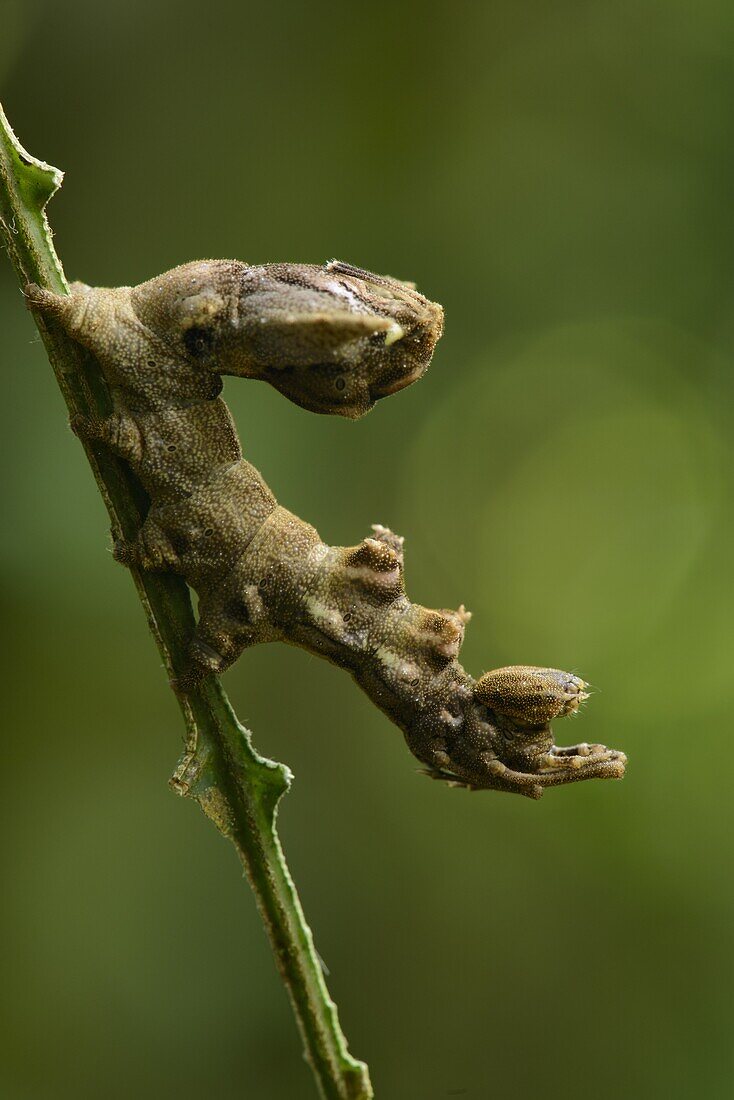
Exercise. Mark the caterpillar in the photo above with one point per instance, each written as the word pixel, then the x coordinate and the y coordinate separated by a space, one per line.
pixel 333 339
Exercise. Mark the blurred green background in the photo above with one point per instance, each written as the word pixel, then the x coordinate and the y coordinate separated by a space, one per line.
pixel 560 176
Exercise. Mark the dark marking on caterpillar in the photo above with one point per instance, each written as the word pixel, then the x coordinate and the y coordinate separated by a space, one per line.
pixel 333 339
pixel 199 341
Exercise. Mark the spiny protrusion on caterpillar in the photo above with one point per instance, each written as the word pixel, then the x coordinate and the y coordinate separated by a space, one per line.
pixel 376 568
pixel 333 339
pixel 374 556
pixel 384 534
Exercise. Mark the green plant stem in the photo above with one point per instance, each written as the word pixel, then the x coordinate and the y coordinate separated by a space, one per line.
pixel 236 787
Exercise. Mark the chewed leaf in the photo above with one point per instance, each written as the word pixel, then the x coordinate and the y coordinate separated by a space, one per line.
pixel 27 183
pixel 38 180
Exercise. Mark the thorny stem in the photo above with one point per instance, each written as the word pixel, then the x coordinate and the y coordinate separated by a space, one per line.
pixel 236 787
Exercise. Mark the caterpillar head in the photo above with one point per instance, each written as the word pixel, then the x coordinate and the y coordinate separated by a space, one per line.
pixel 333 339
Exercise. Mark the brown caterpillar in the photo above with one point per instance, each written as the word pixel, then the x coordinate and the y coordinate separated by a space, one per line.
pixel 333 339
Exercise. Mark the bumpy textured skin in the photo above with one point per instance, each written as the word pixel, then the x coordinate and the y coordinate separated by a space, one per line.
pixel 333 339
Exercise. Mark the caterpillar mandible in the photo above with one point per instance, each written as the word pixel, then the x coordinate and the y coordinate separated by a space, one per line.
pixel 333 339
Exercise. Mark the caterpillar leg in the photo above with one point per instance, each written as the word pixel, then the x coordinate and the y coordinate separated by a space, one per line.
pixel 151 550
pixel 203 659
pixel 119 432
pixel 44 301
pixel 229 622
pixel 489 773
